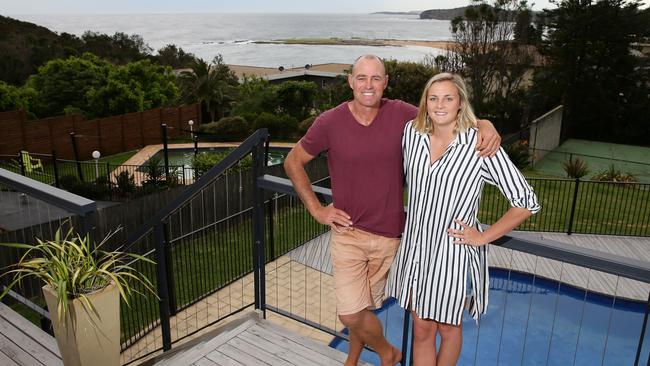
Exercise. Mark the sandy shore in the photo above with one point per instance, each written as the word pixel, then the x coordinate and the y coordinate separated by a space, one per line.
pixel 362 42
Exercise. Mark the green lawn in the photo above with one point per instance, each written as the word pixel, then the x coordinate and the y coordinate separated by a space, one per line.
pixel 600 208
pixel 117 159
pixel 89 170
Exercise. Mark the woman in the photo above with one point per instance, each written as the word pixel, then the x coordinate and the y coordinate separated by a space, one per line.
pixel 442 242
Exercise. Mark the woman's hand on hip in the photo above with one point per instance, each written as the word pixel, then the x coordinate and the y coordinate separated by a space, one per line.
pixel 468 235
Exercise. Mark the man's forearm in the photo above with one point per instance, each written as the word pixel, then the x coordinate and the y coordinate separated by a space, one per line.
pixel 302 185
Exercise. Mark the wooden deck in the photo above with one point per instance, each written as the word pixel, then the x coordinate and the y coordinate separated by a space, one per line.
pixel 24 344
pixel 253 341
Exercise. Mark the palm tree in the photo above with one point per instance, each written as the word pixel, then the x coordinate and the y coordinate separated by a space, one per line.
pixel 213 85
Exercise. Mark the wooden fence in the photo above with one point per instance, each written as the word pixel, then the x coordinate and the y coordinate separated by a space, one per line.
pixel 110 135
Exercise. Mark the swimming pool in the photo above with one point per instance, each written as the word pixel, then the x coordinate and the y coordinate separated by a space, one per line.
pixel 183 156
pixel 535 321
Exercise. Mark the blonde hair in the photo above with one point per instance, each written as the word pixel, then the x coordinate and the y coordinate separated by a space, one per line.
pixel 465 118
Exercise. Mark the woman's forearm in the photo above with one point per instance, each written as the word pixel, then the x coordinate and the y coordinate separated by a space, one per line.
pixel 510 220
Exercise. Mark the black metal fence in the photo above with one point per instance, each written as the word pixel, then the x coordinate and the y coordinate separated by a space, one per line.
pixel 100 180
pixel 585 293
pixel 570 205
pixel 211 263
pixel 31 210
pixel 207 262
pixel 579 206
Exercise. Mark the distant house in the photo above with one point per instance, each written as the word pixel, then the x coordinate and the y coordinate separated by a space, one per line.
pixel 321 74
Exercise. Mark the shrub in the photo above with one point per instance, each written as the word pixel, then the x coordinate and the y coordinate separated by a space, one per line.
pixel 518 153
pixel 305 124
pixel 154 171
pixel 614 175
pixel 68 182
pixel 575 168
pixel 125 183
pixel 204 161
pixel 100 189
pixel 233 128
pixel 280 126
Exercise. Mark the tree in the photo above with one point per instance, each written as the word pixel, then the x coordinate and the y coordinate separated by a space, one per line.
pixel 173 56
pixel 13 98
pixel 297 98
pixel 406 80
pixel 213 85
pixel 334 93
pixel 593 71
pixel 493 63
pixel 96 88
pixel 63 84
pixel 155 81
pixel 256 95
pixel 120 48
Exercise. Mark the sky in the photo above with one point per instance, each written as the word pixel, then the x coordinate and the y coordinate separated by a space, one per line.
pixel 10 7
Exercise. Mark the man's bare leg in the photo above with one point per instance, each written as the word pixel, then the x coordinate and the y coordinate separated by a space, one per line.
pixel 355 349
pixel 368 330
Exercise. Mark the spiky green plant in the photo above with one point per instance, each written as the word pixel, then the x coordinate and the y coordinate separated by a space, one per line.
pixel 74 268
pixel 575 168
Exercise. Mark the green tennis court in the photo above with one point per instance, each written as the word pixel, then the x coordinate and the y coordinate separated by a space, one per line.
pixel 599 156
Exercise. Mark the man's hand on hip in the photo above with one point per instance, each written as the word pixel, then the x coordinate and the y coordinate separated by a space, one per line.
pixel 337 219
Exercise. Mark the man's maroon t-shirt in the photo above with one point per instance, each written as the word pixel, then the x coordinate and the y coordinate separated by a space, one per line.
pixel 365 163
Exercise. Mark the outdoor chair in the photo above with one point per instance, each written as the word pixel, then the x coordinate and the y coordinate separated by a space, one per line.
pixel 29 162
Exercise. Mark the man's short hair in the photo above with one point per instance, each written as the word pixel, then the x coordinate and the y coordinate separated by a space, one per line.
pixel 369 57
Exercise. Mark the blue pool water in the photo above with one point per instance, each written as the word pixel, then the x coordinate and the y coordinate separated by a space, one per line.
pixel 535 321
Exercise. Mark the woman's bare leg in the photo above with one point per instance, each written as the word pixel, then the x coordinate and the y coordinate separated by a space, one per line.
pixel 450 345
pixel 424 341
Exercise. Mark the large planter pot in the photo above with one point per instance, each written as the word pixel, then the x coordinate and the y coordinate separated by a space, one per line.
pixel 87 338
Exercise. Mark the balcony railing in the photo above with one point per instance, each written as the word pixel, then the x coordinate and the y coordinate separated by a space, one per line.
pixel 268 253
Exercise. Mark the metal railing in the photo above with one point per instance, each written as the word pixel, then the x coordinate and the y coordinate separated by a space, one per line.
pixel 102 180
pixel 203 258
pixel 209 269
pixel 596 264
pixel 33 210
pixel 570 205
pixel 579 206
pixel 213 261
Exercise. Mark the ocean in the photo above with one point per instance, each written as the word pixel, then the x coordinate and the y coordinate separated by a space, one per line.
pixel 233 35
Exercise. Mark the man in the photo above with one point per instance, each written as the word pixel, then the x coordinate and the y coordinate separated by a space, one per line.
pixel 363 141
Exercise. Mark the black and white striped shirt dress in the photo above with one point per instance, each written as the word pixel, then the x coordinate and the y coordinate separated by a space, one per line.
pixel 428 266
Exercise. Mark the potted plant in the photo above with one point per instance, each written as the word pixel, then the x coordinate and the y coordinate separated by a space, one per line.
pixel 82 288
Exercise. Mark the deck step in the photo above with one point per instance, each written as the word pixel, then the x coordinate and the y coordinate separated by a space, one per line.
pixel 253 341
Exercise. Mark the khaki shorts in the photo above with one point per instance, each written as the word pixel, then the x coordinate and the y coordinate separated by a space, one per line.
pixel 360 264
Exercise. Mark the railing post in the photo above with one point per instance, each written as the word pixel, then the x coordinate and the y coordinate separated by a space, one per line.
pixel 165 151
pixel 76 156
pixel 171 288
pixel 56 169
pixel 161 284
pixel 22 163
pixel 271 243
pixel 258 229
pixel 573 207
pixel 642 337
pixel 406 335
